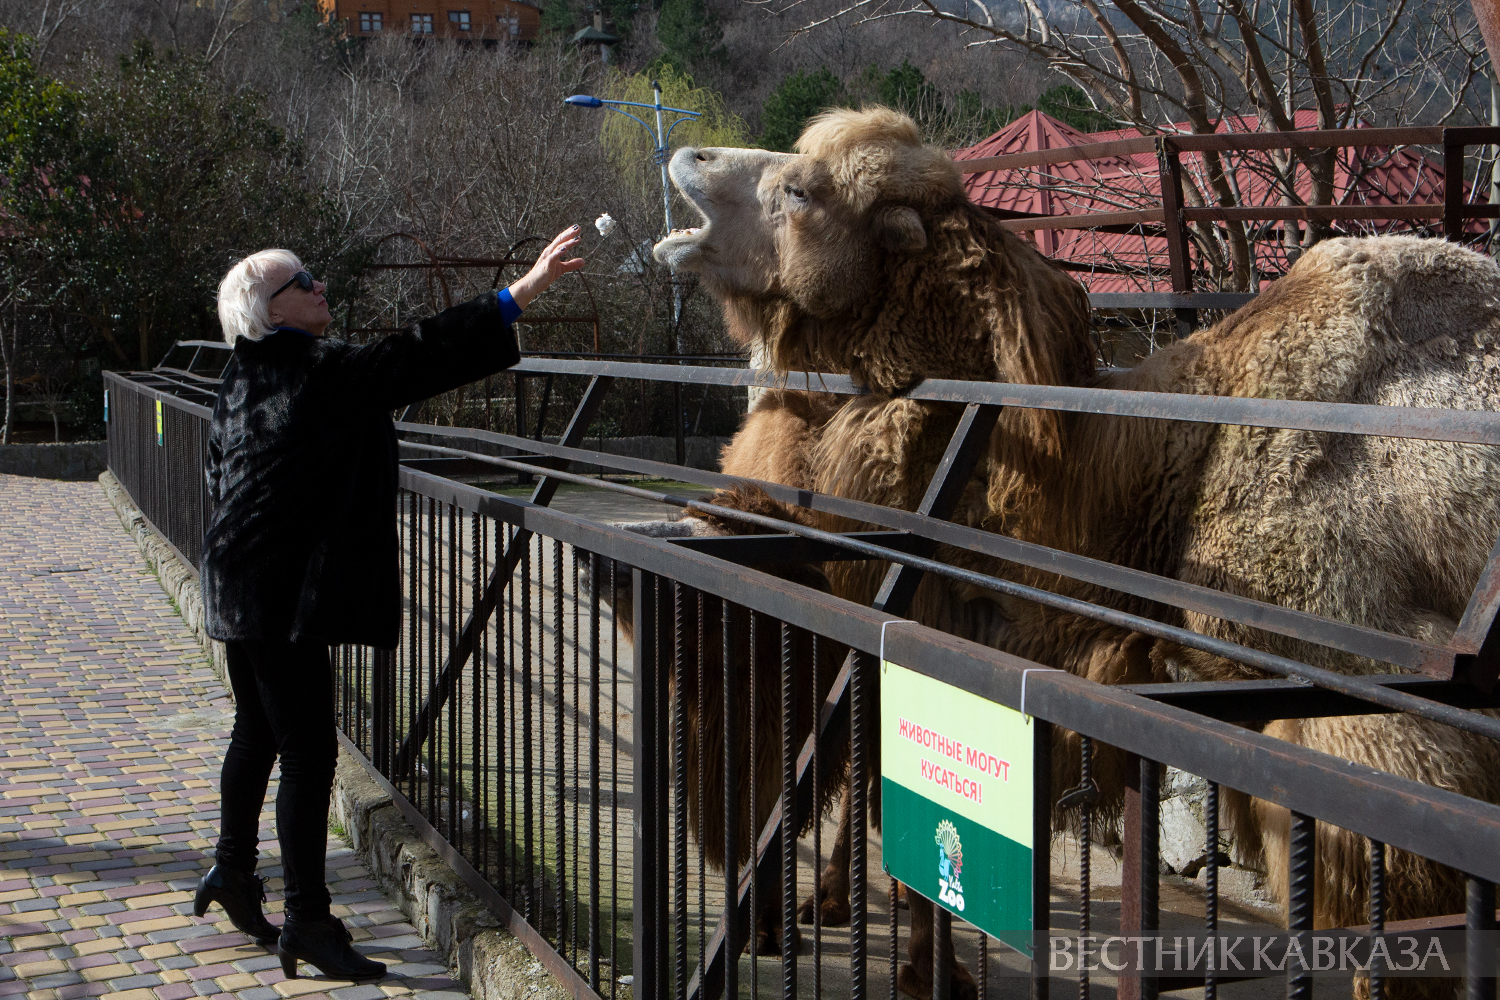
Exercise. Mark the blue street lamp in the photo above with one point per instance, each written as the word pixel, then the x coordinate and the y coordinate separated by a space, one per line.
pixel 659 154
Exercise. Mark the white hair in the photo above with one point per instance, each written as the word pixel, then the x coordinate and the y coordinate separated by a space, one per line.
pixel 244 294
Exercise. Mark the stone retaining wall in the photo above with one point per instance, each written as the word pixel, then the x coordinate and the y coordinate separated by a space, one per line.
pixel 454 923
pixel 69 460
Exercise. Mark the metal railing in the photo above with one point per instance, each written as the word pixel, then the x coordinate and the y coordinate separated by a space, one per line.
pixel 1174 214
pixel 633 796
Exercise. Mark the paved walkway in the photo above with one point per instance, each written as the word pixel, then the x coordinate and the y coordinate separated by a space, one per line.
pixel 112 728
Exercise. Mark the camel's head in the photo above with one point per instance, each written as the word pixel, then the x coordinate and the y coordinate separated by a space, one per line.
pixel 860 253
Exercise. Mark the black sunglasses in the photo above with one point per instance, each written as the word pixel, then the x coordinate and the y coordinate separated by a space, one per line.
pixel 301 279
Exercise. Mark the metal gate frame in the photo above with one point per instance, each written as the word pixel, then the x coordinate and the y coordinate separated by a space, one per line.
pixel 1186 725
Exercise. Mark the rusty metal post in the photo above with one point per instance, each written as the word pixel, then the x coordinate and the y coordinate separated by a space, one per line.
pixel 1453 192
pixel 1139 879
pixel 1169 163
pixel 1301 875
pixel 1480 947
pixel 1041 857
pixel 649 916
pixel 942 949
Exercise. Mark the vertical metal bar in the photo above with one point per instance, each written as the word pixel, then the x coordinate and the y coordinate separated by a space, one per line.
pixel 982 970
pixel 1453 187
pixel 753 719
pixel 541 413
pixel 1377 915
pixel 541 724
pixel 1085 849
pixel 577 762
pixel 528 870
pixel 1479 926
pixel 702 751
pixel 455 596
pixel 542 819
pixel 594 877
pixel 817 868
pixel 679 795
pixel 893 894
pixel 732 940
pixel 485 800
pixel 523 478
pixel 414 655
pixel 1170 167
pixel 434 604
pixel 789 811
pixel 380 713
pixel 1139 882
pixel 560 815
pixel 679 418
pixel 1041 867
pixel 510 809
pixel 478 771
pixel 1300 899
pixel 942 954
pixel 614 780
pixel 661 738
pixel 1211 884
pixel 647 920
pixel 863 670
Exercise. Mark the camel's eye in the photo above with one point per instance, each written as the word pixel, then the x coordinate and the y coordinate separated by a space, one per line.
pixel 795 192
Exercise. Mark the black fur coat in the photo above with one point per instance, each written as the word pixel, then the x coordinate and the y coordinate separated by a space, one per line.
pixel 302 455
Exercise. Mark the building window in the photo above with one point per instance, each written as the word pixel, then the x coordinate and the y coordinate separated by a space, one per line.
pixel 421 24
pixel 509 25
pixel 458 19
pixel 369 21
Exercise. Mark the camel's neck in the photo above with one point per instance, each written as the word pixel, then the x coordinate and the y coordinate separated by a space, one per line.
pixel 1108 490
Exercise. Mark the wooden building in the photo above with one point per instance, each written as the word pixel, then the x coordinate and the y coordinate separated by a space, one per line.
pixel 490 20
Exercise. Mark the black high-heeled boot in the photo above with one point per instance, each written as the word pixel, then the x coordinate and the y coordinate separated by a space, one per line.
pixel 240 893
pixel 324 944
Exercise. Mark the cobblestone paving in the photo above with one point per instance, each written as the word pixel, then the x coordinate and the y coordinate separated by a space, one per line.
pixel 112 728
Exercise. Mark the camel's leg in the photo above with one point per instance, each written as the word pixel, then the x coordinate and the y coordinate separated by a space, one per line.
pixel 834 898
pixel 767 939
pixel 915 977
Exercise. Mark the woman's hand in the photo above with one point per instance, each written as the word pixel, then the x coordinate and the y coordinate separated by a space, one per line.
pixel 549 266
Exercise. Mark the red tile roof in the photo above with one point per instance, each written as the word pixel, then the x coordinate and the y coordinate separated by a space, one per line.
pixel 1362 176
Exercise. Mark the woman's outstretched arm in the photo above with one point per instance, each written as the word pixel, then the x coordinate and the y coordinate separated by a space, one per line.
pixel 457 346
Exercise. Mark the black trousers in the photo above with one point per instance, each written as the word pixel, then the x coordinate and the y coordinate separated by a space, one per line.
pixel 283 696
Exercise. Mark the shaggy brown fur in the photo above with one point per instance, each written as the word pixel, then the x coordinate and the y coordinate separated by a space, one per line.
pixel 861 256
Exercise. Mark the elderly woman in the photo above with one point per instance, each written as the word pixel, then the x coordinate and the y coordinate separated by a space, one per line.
pixel 301 554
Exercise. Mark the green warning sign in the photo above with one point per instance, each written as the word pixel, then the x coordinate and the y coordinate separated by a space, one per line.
pixel 956 801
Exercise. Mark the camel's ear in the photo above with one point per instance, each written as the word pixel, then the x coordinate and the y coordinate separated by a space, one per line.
pixel 900 229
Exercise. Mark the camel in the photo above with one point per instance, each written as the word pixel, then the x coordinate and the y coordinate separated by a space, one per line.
pixel 860 254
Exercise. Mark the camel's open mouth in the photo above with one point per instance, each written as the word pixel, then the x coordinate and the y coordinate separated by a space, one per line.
pixel 690 233
pixel 681 243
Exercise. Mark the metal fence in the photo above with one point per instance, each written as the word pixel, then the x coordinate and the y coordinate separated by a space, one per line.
pixel 1172 219
pixel 640 797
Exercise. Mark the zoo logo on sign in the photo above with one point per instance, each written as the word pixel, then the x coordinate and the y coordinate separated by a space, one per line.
pixel 950 866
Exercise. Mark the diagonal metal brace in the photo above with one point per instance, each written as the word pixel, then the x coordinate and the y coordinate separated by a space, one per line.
pixel 967 445
pixel 479 616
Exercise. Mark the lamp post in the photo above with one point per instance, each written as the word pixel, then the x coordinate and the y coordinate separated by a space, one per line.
pixel 660 134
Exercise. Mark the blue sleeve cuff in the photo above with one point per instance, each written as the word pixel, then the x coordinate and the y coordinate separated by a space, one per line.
pixel 509 310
